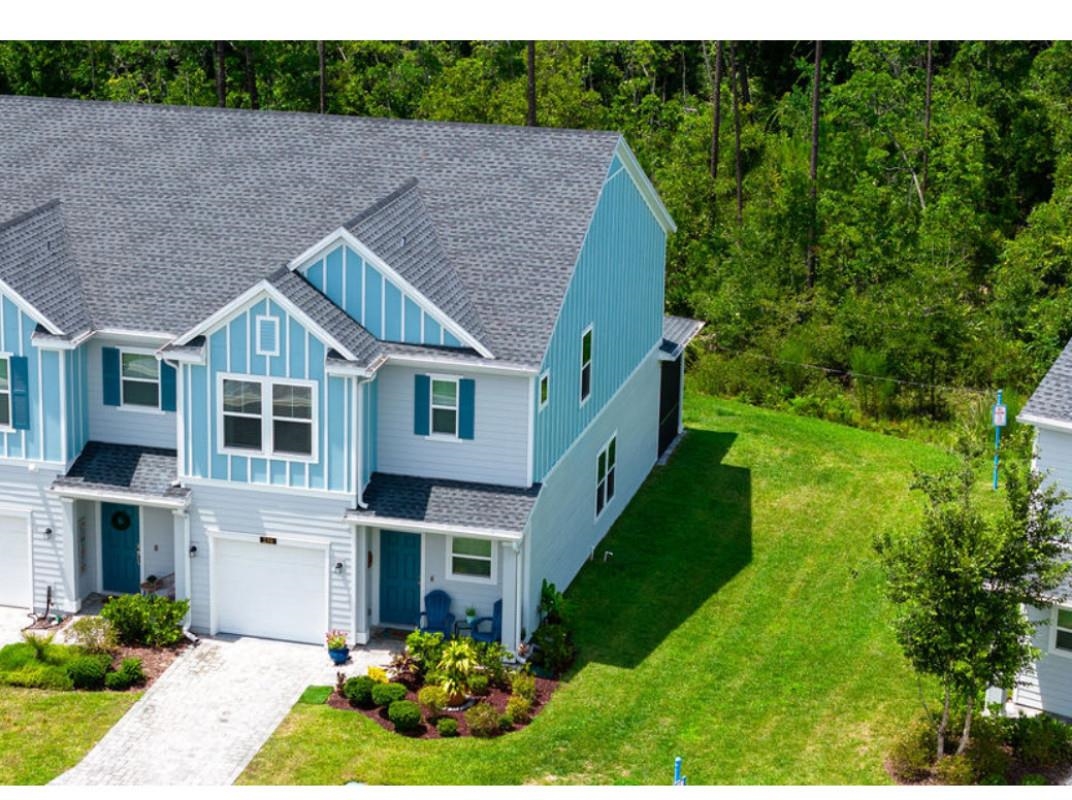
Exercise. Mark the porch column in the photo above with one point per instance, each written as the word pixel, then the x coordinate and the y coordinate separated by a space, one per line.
pixel 511 593
pixel 181 536
pixel 360 561
pixel 71 601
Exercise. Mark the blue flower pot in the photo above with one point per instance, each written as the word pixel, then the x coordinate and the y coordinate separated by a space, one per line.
pixel 340 656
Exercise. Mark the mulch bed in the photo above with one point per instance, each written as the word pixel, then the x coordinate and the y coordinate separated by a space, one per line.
pixel 154 661
pixel 497 697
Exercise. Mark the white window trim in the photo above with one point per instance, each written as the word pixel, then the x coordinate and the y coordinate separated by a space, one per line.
pixel 591 371
pixel 452 575
pixel 267 442
pixel 1054 649
pixel 139 409
pixel 606 449
pixel 8 427
pixel 540 402
pixel 457 381
pixel 261 350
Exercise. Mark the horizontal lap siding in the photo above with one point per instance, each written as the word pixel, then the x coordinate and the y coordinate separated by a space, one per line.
pixel 25 491
pixel 150 428
pixel 1048 684
pixel 259 514
pixel 233 349
pixel 617 287
pixel 158 536
pixel 497 453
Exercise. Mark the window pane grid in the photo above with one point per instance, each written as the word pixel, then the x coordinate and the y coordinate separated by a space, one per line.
pixel 291 417
pixel 5 394
pixel 471 557
pixel 605 463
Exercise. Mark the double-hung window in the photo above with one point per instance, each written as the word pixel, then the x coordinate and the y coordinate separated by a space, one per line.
pixel 1062 635
pixel 5 393
pixel 605 468
pixel 243 417
pixel 545 390
pixel 445 406
pixel 140 379
pixel 268 417
pixel 586 363
pixel 292 419
pixel 471 559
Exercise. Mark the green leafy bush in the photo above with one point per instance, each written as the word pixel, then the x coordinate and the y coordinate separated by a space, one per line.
pixel 94 634
pixel 954 771
pixel 447 727
pixel 913 751
pixel 383 694
pixel 456 666
pixel 518 709
pixel 38 644
pixel 358 690
pixel 989 756
pixel 36 665
pixel 131 667
pixel 524 686
pixel 490 656
pixel 478 683
pixel 1034 779
pixel 554 648
pixel 1041 742
pixel 483 720
pixel 425 649
pixel 405 714
pixel 38 676
pixel 87 672
pixel 148 620
pixel 434 700
pixel 117 681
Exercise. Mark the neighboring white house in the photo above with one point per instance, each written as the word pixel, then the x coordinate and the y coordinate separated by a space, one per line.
pixel 310 368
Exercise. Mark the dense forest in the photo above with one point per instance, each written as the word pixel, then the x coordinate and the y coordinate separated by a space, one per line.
pixel 875 232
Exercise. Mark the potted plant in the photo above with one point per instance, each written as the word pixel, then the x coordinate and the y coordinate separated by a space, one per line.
pixel 470 614
pixel 337 648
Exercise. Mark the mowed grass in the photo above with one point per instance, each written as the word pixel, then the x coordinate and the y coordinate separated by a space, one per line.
pixel 739 624
pixel 45 733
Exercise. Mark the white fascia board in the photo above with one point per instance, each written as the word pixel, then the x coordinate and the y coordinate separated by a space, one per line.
pixel 125 333
pixel 1045 422
pixel 180 357
pixel 76 493
pixel 432 362
pixel 47 341
pixel 412 526
pixel 255 292
pixel 29 309
pixel 347 370
pixel 645 186
pixel 343 236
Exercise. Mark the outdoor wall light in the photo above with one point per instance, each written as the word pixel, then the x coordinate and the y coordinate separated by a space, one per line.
pixel 193 550
pixel 48 533
pixel 338 568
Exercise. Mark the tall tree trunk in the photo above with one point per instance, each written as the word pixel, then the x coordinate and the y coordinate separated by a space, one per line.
pixel 716 102
pixel 251 79
pixel 734 79
pixel 746 92
pixel 221 74
pixel 323 76
pixel 965 736
pixel 530 91
pixel 813 169
pixel 927 118
pixel 943 724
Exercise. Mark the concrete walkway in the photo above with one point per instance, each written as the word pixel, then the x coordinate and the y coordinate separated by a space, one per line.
pixel 12 621
pixel 209 714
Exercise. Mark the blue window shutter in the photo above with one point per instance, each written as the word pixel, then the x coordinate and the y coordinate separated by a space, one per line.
pixel 110 372
pixel 422 403
pixel 466 407
pixel 20 393
pixel 167 387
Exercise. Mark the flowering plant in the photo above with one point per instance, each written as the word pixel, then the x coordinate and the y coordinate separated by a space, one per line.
pixel 336 640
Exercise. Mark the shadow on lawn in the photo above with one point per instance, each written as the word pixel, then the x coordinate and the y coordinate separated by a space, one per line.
pixel 687 532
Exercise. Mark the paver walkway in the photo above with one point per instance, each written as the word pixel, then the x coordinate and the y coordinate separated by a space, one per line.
pixel 209 714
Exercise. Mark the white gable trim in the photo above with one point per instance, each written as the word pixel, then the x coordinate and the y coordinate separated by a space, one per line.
pixel 1045 422
pixel 644 185
pixel 343 236
pixel 247 298
pixel 27 308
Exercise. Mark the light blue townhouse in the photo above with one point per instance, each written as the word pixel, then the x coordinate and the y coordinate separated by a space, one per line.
pixel 304 370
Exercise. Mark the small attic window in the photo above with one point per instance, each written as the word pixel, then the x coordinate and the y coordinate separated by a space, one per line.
pixel 267 336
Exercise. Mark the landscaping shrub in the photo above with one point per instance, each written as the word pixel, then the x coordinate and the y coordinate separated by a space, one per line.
pixel 425 648
pixel 523 685
pixel 35 675
pixel 358 690
pixel 383 694
pixel 405 714
pixel 38 644
pixel 989 756
pixel 518 709
pixel 87 672
pixel 490 655
pixel 1034 779
pixel 456 666
pixel 378 674
pixel 554 648
pixel 404 668
pixel 478 684
pixel 1041 742
pixel 913 751
pixel 954 771
pixel 483 720
pixel 131 667
pixel 447 727
pixel 434 700
pixel 36 665
pixel 117 681
pixel 148 620
pixel 94 634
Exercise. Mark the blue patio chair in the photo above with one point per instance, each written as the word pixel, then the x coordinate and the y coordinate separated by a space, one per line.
pixel 436 616
pixel 495 620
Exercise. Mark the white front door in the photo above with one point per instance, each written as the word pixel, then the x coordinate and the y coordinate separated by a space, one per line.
pixel 271 590
pixel 14 562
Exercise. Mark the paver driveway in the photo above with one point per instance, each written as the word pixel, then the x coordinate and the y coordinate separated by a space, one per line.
pixel 208 715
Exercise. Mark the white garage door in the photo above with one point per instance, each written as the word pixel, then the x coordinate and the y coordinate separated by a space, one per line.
pixel 14 562
pixel 274 591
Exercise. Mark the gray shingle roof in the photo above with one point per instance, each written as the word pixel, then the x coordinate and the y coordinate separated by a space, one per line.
pixel 677 333
pixel 444 502
pixel 125 471
pixel 168 209
pixel 36 261
pixel 1053 397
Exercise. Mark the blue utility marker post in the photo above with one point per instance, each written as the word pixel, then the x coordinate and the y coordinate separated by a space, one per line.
pixel 1000 416
pixel 679 779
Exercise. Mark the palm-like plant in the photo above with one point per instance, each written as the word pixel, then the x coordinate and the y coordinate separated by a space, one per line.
pixel 457 663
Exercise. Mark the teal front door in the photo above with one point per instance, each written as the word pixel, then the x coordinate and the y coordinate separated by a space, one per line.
pixel 119 548
pixel 400 578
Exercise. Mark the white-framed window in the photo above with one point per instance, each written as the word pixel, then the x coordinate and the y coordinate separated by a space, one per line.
pixel 444 406
pixel 267 416
pixel 586 364
pixel 267 336
pixel 471 559
pixel 139 379
pixel 5 393
pixel 545 390
pixel 1062 631
pixel 606 462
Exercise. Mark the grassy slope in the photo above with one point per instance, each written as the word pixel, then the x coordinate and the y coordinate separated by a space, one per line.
pixel 43 733
pixel 739 624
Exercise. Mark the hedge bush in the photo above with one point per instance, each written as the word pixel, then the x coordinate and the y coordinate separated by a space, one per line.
pixel 913 751
pixel 954 771
pixel 483 720
pixel 518 709
pixel 523 685
pixel 94 634
pixel 88 672
pixel 358 690
pixel 148 620
pixel 447 727
pixel 383 694
pixel 478 684
pixel 405 714
pixel 434 700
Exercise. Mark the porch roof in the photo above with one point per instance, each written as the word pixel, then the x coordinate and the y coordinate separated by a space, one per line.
pixel 677 333
pixel 446 505
pixel 146 475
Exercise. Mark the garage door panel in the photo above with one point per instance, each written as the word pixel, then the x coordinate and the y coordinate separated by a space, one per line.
pixel 274 591
pixel 14 562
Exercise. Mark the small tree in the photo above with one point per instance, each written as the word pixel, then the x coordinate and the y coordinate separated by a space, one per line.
pixel 959 583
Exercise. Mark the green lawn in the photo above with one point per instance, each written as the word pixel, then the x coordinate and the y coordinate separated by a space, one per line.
pixel 43 733
pixel 739 625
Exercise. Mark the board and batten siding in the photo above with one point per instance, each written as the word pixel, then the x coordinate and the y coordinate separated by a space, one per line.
pixel 76 366
pixel 498 451
pixel 370 420
pixel 232 348
pixel 617 287
pixel 1047 685
pixel 383 307
pixel 563 529
pixel 262 513
pixel 148 427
